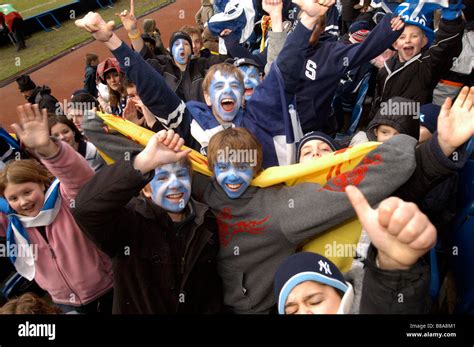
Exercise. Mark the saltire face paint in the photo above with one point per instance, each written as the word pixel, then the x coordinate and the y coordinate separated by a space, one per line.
pixel 171 187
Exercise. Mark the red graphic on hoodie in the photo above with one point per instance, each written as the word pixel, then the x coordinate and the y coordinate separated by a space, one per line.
pixel 353 177
pixel 227 230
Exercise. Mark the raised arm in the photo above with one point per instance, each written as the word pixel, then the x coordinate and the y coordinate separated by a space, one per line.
pixel 400 236
pixel 101 205
pixel 60 159
pixel 317 208
pixel 130 24
pixel 448 42
pixel 277 36
pixel 278 88
pixel 380 39
pixel 434 158
pixel 151 86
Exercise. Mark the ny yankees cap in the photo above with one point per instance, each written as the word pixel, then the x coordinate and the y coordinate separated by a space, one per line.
pixel 302 267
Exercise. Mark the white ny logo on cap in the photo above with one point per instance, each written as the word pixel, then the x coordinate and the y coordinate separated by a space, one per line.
pixel 324 266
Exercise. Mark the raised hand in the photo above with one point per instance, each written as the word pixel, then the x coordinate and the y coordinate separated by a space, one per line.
pixel 163 148
pixel 456 122
pixel 149 117
pixel 33 130
pixel 314 8
pixel 397 23
pixel 95 24
pixel 273 7
pixel 128 19
pixel 131 113
pixel 399 230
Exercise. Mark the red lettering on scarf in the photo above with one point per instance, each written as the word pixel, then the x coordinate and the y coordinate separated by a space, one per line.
pixel 228 230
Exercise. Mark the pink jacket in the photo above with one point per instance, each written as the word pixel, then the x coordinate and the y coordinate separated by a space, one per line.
pixel 71 268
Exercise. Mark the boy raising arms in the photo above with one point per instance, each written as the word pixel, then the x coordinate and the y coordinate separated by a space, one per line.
pixel 266 114
pixel 415 70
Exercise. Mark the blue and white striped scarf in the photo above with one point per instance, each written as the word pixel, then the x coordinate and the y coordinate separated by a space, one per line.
pixel 17 236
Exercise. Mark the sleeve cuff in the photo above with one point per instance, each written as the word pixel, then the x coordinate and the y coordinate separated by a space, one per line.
pixel 452 162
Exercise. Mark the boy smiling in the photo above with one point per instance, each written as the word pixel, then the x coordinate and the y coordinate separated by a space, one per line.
pixel 258 227
pixel 417 67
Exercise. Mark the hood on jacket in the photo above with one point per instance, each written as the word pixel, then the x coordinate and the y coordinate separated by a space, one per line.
pixel 402 114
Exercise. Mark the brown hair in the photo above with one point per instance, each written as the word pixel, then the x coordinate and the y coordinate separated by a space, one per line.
pixel 24 171
pixel 29 303
pixel 224 68
pixel 189 29
pixel 90 57
pixel 55 119
pixel 318 30
pixel 149 25
pixel 234 139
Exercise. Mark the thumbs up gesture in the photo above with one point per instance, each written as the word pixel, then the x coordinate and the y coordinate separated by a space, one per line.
pixel 399 230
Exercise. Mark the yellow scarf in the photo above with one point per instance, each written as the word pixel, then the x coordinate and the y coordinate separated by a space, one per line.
pixel 336 243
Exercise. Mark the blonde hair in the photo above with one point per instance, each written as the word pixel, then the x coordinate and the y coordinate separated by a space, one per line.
pixel 29 303
pixel 24 171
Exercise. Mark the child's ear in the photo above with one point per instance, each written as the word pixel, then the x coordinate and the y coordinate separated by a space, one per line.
pixel 147 191
pixel 207 98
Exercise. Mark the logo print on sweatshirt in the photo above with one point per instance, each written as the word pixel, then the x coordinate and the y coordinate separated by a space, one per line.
pixel 353 177
pixel 227 230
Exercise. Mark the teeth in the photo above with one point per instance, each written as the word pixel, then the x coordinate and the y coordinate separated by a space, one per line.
pixel 174 196
pixel 228 100
pixel 233 186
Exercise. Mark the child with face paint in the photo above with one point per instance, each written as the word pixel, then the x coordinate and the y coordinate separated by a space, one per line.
pixel 251 73
pixel 163 244
pixel 265 226
pixel 309 283
pixel 182 72
pixel 268 114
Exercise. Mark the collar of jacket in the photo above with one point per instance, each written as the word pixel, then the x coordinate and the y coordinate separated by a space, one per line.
pixel 392 61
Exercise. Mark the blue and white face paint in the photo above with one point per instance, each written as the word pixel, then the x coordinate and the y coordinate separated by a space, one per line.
pixel 181 51
pixel 171 187
pixel 226 96
pixel 234 178
pixel 251 79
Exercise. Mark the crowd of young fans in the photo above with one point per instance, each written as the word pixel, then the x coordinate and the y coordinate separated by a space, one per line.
pixel 112 226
